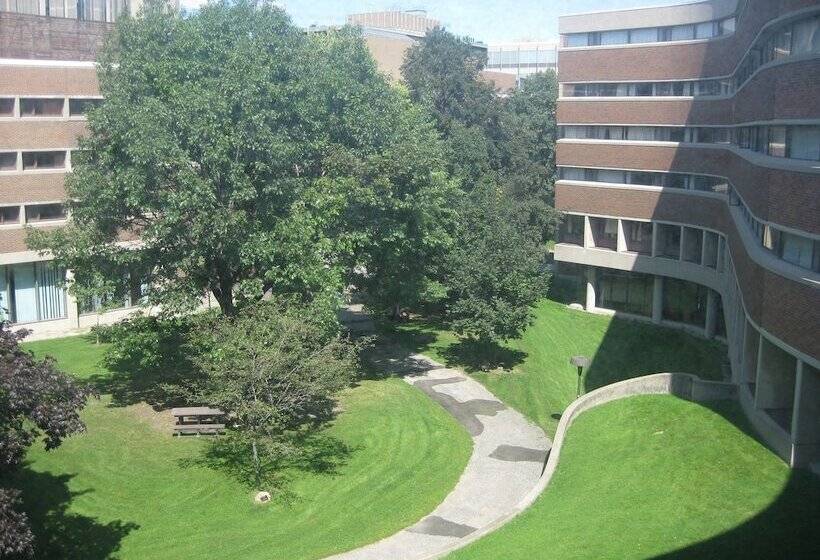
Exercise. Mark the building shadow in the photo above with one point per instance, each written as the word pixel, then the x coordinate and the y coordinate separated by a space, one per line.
pixel 58 532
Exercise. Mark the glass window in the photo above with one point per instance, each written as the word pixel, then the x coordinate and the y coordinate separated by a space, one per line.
pixel 32 292
pixel 8 161
pixel 727 26
pixel 6 106
pixel 645 178
pixel 37 107
pixel 706 30
pixel 643 89
pixel 614 37
pixel 9 215
pixel 710 249
pixel 45 212
pixel 572 173
pixel 78 107
pixel 611 176
pixel 684 302
pixel 668 241
pixel 629 292
pixel 682 32
pixel 577 40
pixel 43 160
pixel 62 8
pixel 692 245
pixel 777 141
pixel 94 10
pixel 572 230
pixel 796 249
pixel 604 233
pixel 674 181
pixel 806 36
pixel 663 89
pixel 640 133
pixel 647 35
pixel 804 142
pixel 638 236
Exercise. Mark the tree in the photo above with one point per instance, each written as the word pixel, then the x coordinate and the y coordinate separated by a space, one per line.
pixel 274 370
pixel 36 400
pixel 240 154
pixel 495 271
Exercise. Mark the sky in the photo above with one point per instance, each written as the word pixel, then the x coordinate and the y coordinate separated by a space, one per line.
pixel 490 21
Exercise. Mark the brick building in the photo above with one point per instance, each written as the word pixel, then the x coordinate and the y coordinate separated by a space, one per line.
pixel 689 165
pixel 47 83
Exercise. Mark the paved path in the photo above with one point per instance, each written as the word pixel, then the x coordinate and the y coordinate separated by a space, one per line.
pixel 508 458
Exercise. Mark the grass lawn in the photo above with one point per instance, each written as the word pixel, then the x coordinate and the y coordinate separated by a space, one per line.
pixel 540 382
pixel 126 485
pixel 659 477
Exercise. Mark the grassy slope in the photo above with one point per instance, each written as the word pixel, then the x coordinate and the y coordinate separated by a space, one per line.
pixel 543 383
pixel 655 475
pixel 125 482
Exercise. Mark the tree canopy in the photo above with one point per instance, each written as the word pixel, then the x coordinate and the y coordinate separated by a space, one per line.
pixel 246 157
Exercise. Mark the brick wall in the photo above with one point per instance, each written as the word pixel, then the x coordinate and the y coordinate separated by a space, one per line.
pixel 40 37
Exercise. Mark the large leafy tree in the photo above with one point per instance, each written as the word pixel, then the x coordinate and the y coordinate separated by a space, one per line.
pixel 242 155
pixel 36 400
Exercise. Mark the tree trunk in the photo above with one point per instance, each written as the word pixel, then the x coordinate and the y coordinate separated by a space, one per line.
pixel 224 296
pixel 396 313
pixel 257 468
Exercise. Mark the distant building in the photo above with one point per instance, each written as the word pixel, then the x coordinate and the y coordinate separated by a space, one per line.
pixel 522 59
pixel 414 22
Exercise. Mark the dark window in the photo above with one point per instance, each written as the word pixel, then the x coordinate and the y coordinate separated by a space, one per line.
pixel 643 89
pixel 604 233
pixel 674 181
pixel 572 230
pixel 692 245
pixel 78 107
pixel 43 160
pixel 638 237
pixel 645 178
pixel 684 302
pixel 44 212
pixel 710 249
pixel 629 292
pixel 9 215
pixel 6 106
pixel 668 241
pixel 36 107
pixel 8 161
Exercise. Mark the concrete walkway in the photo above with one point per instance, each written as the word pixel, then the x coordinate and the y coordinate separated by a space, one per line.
pixel 508 458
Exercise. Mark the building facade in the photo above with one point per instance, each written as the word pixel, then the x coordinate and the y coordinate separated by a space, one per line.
pixel 48 82
pixel 522 59
pixel 689 165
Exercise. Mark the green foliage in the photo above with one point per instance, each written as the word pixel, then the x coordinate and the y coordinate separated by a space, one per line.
pixel 274 371
pixel 247 157
pixel 495 271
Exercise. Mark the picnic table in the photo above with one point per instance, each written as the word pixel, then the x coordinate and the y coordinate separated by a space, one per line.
pixel 198 420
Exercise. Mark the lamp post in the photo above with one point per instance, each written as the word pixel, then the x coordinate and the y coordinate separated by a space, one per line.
pixel 580 362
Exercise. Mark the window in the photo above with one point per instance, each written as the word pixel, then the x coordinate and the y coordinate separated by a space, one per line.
pixel 614 37
pixel 610 176
pixel 604 233
pixel 797 250
pixel 94 10
pixel 804 142
pixel 643 89
pixel 684 302
pixel 45 212
pixel 727 26
pixel 629 292
pixel 692 245
pixel 682 33
pixel 645 178
pixel 647 35
pixel 62 8
pixel 640 133
pixel 706 30
pixel 577 40
pixel 806 36
pixel 669 241
pixel 572 230
pixel 6 106
pixel 32 292
pixel 674 181
pixel 78 107
pixel 9 215
pixel 36 107
pixel 572 174
pixel 710 249
pixel 638 236
pixel 43 160
pixel 777 141
pixel 8 161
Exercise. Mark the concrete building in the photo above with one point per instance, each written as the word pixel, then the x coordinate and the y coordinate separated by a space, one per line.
pixel 690 177
pixel 47 83
pixel 522 59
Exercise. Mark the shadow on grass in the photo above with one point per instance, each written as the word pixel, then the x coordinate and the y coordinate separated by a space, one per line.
pixel 60 533
pixel 474 356
pixel 313 451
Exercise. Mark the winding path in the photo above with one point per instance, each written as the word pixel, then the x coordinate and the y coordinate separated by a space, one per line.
pixel 509 454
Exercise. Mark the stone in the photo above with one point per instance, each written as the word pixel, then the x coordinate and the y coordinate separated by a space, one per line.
pixel 262 497
pixel 576 306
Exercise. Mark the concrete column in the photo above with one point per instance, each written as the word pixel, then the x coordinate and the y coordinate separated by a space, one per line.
pixel 654 239
pixel 621 241
pixel 19 160
pixel 16 110
pixel 72 307
pixel 657 299
pixel 591 275
pixel 806 417
pixel 711 313
pixel 588 241
pixel 66 112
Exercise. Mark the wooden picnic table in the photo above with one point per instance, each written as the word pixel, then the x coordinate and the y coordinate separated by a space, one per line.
pixel 197 420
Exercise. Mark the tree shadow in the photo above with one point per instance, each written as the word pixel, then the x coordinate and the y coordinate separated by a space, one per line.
pixel 474 355
pixel 58 532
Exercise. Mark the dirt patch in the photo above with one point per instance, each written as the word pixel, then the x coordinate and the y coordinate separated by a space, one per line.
pixel 161 421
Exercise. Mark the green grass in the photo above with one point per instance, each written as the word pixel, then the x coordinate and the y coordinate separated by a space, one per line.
pixel 655 476
pixel 540 382
pixel 127 485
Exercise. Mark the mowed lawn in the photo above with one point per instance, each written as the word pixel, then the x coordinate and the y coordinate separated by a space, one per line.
pixel 539 380
pixel 128 489
pixel 659 477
